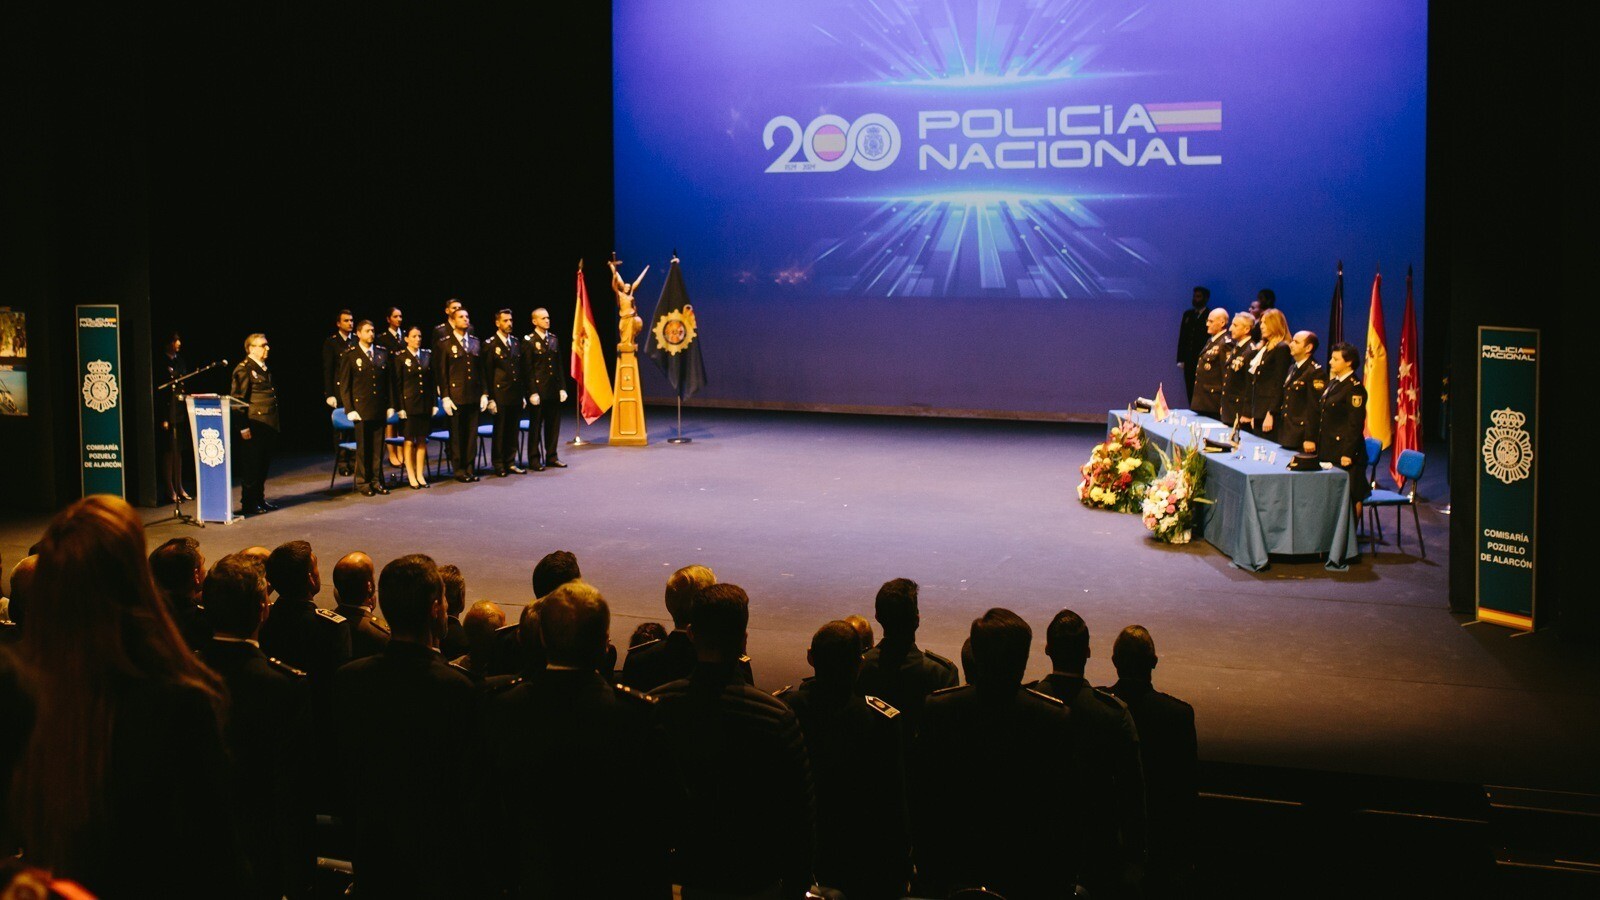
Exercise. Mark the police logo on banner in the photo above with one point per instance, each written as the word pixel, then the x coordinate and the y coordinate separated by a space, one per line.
pixel 210 448
pixel 1507 448
pixel 99 386
pixel 675 331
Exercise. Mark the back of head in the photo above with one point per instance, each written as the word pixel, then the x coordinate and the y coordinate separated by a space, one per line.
pixel 352 579
pixel 645 633
pixel 235 592
pixel 836 653
pixel 863 630
pixel 289 569
pixel 553 571
pixel 1067 642
pixel 574 624
pixel 896 607
pixel 176 567
pixel 1000 644
pixel 1134 653
pixel 682 588
pixel 529 639
pixel 407 590
pixel 719 620
pixel 455 589
pixel 480 623
pixel 258 553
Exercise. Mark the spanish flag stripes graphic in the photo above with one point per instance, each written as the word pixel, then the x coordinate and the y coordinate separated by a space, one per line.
pixel 589 360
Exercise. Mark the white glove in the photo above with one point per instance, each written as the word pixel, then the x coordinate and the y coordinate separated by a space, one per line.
pixel 388 414
pixel 483 403
pixel 333 402
pixel 494 408
pixel 563 396
pixel 355 417
pixel 449 407
pixel 402 414
pixel 534 399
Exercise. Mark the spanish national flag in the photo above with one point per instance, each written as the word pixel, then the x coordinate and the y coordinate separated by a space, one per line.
pixel 1380 424
pixel 589 360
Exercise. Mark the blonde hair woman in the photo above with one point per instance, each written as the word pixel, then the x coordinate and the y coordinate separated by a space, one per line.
pixel 1271 367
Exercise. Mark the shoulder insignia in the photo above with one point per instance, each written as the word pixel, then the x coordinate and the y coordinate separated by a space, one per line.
pixel 1355 400
pixel 1109 699
pixel 1318 384
pixel 745 660
pixel 331 616
pixel 956 687
pixel 946 663
pixel 882 706
pixel 637 647
pixel 285 668
pixel 783 690
pixel 633 693
pixel 1043 696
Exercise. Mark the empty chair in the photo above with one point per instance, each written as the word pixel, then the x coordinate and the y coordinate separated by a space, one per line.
pixel 1410 467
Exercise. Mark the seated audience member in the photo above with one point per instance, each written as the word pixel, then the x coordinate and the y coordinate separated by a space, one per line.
pixel 572 734
pixel 1170 753
pixel 356 594
pixel 407 715
pixel 863 630
pixel 1114 839
pixel 853 742
pixel 747 826
pixel 259 554
pixel 480 623
pixel 553 570
pixel 896 669
pixel 265 733
pixel 179 571
pixel 649 666
pixel 297 631
pixel 455 598
pixel 994 787
pixel 21 586
pixel 646 633
pixel 123 783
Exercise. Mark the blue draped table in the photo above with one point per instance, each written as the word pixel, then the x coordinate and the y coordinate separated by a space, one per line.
pixel 1260 508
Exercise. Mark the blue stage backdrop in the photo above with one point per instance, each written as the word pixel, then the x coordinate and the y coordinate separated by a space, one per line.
pixel 1001 205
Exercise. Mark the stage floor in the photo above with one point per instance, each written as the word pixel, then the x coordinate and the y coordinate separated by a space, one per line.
pixel 1364 671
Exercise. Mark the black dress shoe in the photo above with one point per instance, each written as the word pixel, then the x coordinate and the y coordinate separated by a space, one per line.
pixel 518 470
pixel 268 506
pixel 426 484
pixel 367 492
pixel 381 489
pixel 535 467
pixel 501 473
pixel 418 487
pixel 555 464
pixel 466 479
pixel 474 477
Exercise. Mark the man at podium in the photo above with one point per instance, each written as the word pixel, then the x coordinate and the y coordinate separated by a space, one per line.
pixel 252 386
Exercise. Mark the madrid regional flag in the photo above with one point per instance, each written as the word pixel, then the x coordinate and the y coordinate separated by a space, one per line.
pixel 674 339
pixel 588 359
pixel 1376 375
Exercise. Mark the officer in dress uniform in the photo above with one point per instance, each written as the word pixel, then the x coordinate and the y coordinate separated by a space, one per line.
pixel 364 392
pixel 357 595
pixel 897 669
pixel 333 349
pixel 1340 436
pixel 252 385
pixel 505 380
pixel 1236 374
pixel 1208 366
pixel 1302 396
pixel 547 389
pixel 414 396
pixel 458 377
pixel 854 742
pixel 298 631
pixel 392 338
pixel 442 330
pixel 1192 330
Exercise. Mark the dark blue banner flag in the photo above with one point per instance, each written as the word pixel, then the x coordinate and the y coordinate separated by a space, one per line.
pixel 674 341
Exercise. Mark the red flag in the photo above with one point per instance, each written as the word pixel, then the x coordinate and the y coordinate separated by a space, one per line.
pixel 588 360
pixel 1406 398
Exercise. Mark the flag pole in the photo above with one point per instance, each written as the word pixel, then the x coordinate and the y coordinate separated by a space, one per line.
pixel 577 431
pixel 680 439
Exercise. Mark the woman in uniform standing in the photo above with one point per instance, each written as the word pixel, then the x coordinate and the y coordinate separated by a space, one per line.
pixel 414 400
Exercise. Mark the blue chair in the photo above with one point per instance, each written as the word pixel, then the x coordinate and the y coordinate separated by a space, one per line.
pixel 1374 456
pixel 1410 467
pixel 485 435
pixel 440 437
pixel 342 428
pixel 522 442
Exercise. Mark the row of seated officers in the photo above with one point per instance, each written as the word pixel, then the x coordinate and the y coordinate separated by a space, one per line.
pixel 879 776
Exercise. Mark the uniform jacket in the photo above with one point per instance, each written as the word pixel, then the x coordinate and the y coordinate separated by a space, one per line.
pixel 411 382
pixel 1236 381
pixel 1300 415
pixel 1192 333
pixel 650 665
pixel 505 376
pixel 368 634
pixel 1169 751
pixel 390 341
pixel 252 384
pixel 1266 388
pixel 306 636
pixel 332 349
pixel 905 679
pixel 364 383
pixel 546 374
pixel 457 370
pixel 1208 371
pixel 1342 430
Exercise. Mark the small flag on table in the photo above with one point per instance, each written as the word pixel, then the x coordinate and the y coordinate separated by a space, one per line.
pixel 589 360
pixel 1406 430
pixel 1159 408
pixel 1376 374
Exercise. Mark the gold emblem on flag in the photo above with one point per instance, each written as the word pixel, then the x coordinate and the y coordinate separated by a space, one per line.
pixel 676 330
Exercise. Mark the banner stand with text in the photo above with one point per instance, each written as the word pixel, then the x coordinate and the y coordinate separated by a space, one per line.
pixel 1508 475
pixel 100 406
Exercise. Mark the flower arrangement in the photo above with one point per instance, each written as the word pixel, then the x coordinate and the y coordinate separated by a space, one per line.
pixel 1117 471
pixel 1168 506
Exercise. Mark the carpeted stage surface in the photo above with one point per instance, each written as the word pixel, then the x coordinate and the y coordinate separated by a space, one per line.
pixel 1364 671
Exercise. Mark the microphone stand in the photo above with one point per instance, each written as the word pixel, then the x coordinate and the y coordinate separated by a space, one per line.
pixel 174 405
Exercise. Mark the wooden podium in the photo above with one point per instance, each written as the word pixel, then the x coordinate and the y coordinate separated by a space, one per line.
pixel 627 411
